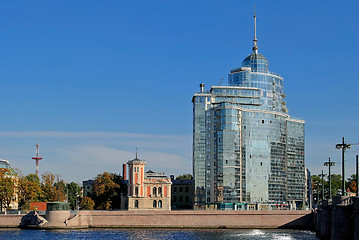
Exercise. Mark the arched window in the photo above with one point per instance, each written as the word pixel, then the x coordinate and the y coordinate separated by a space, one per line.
pixel 154 191
pixel 136 191
pixel 136 203
pixel 159 204
pixel 154 203
pixel 159 191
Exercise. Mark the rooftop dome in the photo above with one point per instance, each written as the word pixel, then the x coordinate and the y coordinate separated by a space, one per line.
pixel 255 56
pixel 257 62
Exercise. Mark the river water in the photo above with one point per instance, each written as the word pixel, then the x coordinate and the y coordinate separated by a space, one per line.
pixel 88 234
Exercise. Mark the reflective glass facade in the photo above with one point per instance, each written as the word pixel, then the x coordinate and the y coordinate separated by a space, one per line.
pixel 246 147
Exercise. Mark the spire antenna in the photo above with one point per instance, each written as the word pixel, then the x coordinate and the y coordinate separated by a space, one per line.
pixel 37 158
pixel 136 152
pixel 255 47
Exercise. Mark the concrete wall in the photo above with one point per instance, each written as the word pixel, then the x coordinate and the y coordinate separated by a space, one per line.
pixel 205 219
pixel 338 219
pixel 190 219
pixel 10 220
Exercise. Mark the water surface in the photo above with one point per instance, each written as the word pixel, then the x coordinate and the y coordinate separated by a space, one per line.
pixel 88 234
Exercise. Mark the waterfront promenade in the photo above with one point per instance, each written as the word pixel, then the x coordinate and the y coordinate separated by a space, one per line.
pixel 182 219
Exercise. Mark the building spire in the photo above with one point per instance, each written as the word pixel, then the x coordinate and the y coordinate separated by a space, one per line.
pixel 255 47
pixel 136 152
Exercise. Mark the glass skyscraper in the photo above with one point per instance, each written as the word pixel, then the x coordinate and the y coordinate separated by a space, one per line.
pixel 247 150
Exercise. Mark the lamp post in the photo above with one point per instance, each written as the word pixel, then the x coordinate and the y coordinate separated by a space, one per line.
pixel 357 170
pixel 317 191
pixel 343 146
pixel 329 164
pixel 322 176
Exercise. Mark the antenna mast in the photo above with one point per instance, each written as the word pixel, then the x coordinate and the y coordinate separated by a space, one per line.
pixel 37 159
pixel 255 47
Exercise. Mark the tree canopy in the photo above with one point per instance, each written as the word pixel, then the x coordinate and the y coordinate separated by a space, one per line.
pixel 106 191
pixel 87 204
pixel 29 190
pixel 73 193
pixel 184 176
pixel 7 188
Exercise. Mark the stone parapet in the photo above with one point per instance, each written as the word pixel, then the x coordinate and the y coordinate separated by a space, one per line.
pixel 10 220
pixel 338 220
pixel 178 219
pixel 195 219
pixel 356 217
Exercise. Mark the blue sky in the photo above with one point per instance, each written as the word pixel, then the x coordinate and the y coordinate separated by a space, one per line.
pixel 93 80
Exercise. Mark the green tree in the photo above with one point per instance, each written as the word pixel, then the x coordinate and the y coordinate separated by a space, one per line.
pixel 87 204
pixel 32 177
pixel 7 188
pixel 105 191
pixel 61 189
pixel 184 176
pixel 73 193
pixel 53 189
pixel 316 187
pixel 352 183
pixel 29 190
pixel 336 184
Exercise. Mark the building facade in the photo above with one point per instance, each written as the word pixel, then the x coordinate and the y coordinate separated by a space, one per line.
pixel 87 188
pixel 246 147
pixel 182 193
pixel 147 190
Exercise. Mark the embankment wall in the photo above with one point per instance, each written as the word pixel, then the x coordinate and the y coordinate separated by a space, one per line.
pixel 10 220
pixel 194 219
pixel 338 219
pixel 185 219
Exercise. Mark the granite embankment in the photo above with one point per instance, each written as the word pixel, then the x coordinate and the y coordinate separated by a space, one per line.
pixel 178 219
pixel 338 219
pixel 10 220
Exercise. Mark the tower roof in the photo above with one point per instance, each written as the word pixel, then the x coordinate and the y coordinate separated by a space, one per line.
pixel 256 61
pixel 255 56
pixel 136 160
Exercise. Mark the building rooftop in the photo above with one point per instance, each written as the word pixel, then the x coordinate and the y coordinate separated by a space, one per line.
pixel 136 160
pixel 255 56
pixel 152 174
pixel 5 164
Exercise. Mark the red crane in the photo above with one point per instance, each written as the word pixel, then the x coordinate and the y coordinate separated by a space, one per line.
pixel 37 158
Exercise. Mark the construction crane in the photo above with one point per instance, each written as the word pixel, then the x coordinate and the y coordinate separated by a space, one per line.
pixel 37 159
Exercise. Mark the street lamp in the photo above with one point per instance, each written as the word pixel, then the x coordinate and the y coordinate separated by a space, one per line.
pixel 316 191
pixel 343 146
pixel 329 164
pixel 322 176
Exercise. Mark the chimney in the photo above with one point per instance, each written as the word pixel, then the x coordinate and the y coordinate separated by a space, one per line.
pixel 201 86
pixel 124 171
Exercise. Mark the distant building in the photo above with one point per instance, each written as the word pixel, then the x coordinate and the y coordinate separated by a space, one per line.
pixel 147 190
pixel 38 206
pixel 309 197
pixel 88 187
pixel 12 174
pixel 182 191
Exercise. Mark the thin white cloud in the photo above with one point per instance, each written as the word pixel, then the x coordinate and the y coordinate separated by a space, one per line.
pixel 78 156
